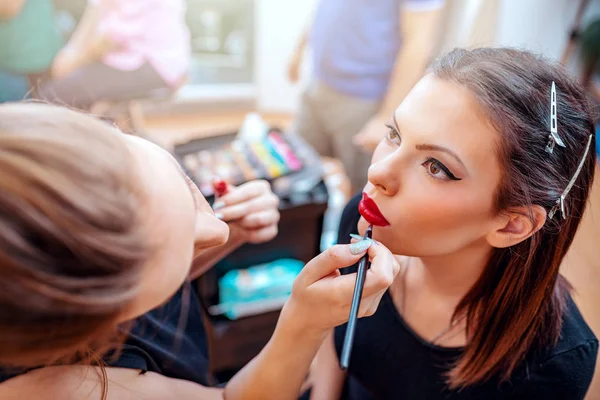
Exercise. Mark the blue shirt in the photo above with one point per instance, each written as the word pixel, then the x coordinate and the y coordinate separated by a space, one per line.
pixel 355 43
pixel 30 40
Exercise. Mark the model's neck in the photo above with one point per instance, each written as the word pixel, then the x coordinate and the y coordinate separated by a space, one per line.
pixel 452 275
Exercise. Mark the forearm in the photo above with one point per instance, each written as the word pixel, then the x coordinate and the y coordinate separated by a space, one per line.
pixel 10 8
pixel 302 41
pixel 281 367
pixel 320 300
pixel 87 41
pixel 87 26
pixel 409 68
pixel 326 376
pixel 421 28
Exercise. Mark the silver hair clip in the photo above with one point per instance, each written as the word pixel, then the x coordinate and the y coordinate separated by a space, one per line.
pixel 553 138
pixel 560 202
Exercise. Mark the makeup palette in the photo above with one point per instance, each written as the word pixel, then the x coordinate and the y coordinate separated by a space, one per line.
pixel 237 162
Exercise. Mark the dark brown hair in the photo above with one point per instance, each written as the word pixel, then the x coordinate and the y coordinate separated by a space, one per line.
pixel 71 244
pixel 516 306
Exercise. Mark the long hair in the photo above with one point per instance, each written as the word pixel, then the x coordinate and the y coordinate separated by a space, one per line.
pixel 72 247
pixel 517 304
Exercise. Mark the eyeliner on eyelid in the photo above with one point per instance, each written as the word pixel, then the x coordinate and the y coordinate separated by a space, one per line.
pixel 450 175
pixel 446 170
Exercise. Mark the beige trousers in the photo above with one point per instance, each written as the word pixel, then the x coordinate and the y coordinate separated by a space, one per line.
pixel 328 120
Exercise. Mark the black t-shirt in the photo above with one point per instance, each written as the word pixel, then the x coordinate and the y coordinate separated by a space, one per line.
pixel 160 342
pixel 389 361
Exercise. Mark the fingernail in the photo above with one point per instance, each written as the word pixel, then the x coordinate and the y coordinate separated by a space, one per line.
pixel 358 237
pixel 360 247
pixel 218 204
pixel 219 216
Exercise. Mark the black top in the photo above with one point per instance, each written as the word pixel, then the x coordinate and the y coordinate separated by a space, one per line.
pixel 159 342
pixel 389 361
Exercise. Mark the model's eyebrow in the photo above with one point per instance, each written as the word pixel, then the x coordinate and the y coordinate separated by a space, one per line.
pixel 431 147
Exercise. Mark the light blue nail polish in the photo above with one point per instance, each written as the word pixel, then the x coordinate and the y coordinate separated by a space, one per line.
pixel 219 216
pixel 360 247
pixel 218 204
pixel 355 236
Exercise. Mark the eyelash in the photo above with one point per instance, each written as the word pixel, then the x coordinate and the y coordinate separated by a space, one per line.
pixel 448 175
pixel 431 161
pixel 391 131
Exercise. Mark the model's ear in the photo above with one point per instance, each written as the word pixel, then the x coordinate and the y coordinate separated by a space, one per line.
pixel 517 225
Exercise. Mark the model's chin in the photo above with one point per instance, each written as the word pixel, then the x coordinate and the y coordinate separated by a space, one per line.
pixel 363 224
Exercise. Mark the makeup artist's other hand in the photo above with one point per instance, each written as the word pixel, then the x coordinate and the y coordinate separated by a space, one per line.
pixel 371 134
pixel 294 67
pixel 321 296
pixel 66 61
pixel 251 211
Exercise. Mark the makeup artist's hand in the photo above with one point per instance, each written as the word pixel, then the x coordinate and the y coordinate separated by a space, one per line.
pixel 251 211
pixel 66 61
pixel 321 296
pixel 294 67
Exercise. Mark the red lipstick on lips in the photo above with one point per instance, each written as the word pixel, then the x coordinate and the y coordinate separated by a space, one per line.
pixel 369 210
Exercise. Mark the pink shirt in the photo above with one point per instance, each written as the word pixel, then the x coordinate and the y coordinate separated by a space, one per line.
pixel 151 31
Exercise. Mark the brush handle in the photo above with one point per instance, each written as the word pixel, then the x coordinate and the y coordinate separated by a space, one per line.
pixel 361 275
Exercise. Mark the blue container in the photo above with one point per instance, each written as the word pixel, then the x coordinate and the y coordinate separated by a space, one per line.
pixel 242 289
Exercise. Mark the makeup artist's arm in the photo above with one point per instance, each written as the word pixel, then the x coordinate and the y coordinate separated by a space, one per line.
pixel 320 300
pixel 297 56
pixel 87 44
pixel 419 33
pixel 326 377
pixel 10 8
pixel 252 214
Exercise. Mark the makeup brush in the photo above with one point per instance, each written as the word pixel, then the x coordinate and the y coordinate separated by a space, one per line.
pixel 363 266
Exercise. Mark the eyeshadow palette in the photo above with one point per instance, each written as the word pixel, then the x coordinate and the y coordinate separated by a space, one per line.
pixel 238 161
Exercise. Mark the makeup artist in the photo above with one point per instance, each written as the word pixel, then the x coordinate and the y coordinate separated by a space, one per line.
pixel 120 50
pixel 97 234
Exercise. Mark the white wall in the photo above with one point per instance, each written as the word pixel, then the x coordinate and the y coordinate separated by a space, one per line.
pixel 279 24
pixel 468 23
pixel 538 25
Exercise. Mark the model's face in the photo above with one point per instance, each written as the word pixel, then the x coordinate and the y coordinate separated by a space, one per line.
pixel 435 174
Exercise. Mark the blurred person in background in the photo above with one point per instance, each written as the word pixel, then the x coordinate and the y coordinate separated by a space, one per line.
pixel 366 58
pixel 590 56
pixel 29 41
pixel 121 49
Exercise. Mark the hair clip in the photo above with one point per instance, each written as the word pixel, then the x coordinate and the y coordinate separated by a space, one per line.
pixel 553 138
pixel 560 202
